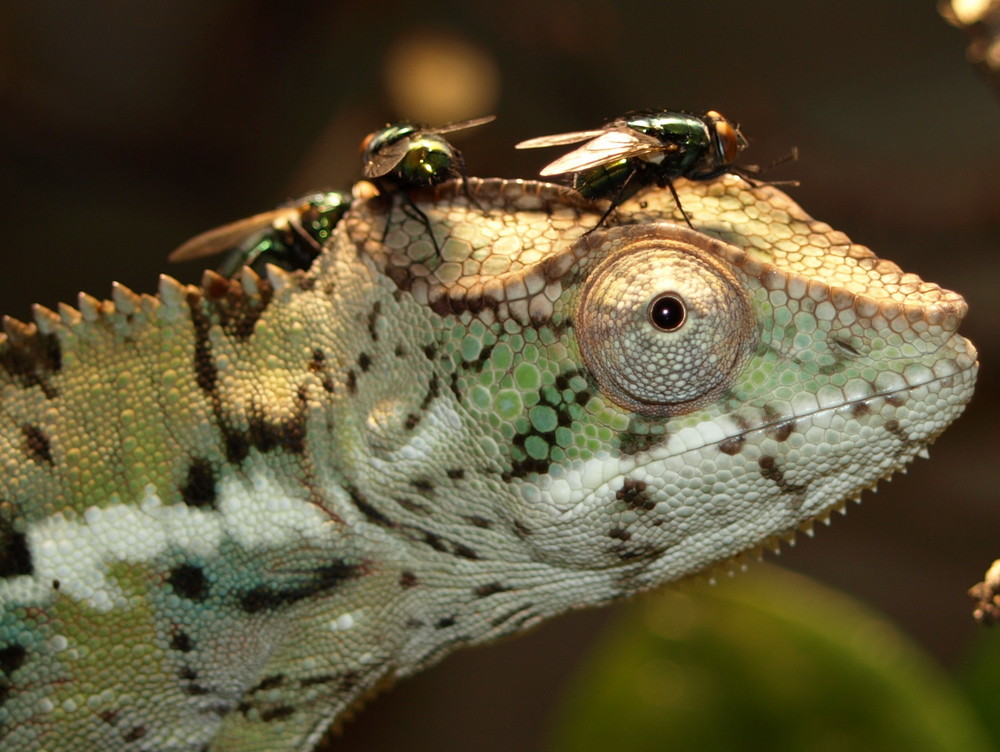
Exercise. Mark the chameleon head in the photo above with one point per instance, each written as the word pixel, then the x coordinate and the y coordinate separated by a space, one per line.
pixel 735 394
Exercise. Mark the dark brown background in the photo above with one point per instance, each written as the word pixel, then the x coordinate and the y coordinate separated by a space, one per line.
pixel 127 128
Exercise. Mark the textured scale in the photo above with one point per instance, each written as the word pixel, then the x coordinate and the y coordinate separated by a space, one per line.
pixel 230 511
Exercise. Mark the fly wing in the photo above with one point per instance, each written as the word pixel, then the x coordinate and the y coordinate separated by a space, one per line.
pixel 607 147
pixel 220 239
pixel 461 125
pixel 386 159
pixel 559 139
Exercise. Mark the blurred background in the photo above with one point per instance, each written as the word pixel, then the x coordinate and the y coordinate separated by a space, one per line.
pixel 128 127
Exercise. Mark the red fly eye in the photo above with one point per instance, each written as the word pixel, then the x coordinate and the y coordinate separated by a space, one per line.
pixel 366 142
pixel 729 140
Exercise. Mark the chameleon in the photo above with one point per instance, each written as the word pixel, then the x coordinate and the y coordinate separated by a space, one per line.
pixel 232 511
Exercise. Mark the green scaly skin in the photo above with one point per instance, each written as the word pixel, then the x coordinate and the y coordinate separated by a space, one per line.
pixel 228 512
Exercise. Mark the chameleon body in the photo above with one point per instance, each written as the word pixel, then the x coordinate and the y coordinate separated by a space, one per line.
pixel 230 511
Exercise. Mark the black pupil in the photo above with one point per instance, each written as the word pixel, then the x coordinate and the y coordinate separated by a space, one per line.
pixel 667 313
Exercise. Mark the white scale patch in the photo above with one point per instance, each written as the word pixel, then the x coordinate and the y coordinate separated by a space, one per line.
pixel 253 510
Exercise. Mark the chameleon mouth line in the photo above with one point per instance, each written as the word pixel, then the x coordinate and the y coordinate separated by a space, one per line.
pixel 961 375
pixel 832 408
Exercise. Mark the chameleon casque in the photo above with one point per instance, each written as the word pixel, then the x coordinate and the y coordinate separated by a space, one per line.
pixel 229 511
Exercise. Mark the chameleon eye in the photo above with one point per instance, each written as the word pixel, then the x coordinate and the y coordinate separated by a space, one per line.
pixel 667 312
pixel 664 324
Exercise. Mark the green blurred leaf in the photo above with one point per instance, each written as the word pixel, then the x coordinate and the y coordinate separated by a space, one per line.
pixel 766 661
pixel 981 679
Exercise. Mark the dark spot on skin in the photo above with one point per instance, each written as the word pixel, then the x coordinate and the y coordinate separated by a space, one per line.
pixel 408 579
pixel 312 681
pixel 522 530
pixel 528 465
pixel 430 351
pixel 444 623
pixel 348 681
pixel 491 588
pixel 37 443
pixel 423 485
pixel 266 435
pixel 318 366
pixel 639 437
pixel 435 542
pixel 636 552
pixel 433 392
pixel 276 714
pixel 188 581
pixel 399 351
pixel 15 556
pixel 181 641
pixel 352 382
pixel 733 445
pixel 896 400
pixel 237 447
pixel 372 514
pixel 206 372
pixel 411 506
pixel 199 488
pixel 778 429
pixel 859 409
pixel 373 321
pixel 109 716
pixel 479 521
pixel 453 384
pixel 134 734
pixel 56 584
pixel 620 534
pixel 769 469
pixel 268 682
pixel 364 362
pixel 781 431
pixel 236 310
pixel 456 473
pixel 30 357
pixel 464 551
pixel 441 305
pixel 324 579
pixel 481 360
pixel 191 688
pixel 633 494
pixel 12 658
pixel 411 422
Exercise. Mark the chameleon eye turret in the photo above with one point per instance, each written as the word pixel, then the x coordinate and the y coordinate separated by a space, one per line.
pixel 642 149
pixel 290 237
pixel 663 326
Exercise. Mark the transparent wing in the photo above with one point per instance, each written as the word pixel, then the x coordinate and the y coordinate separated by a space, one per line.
pixel 461 125
pixel 223 238
pixel 559 139
pixel 386 158
pixel 607 147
